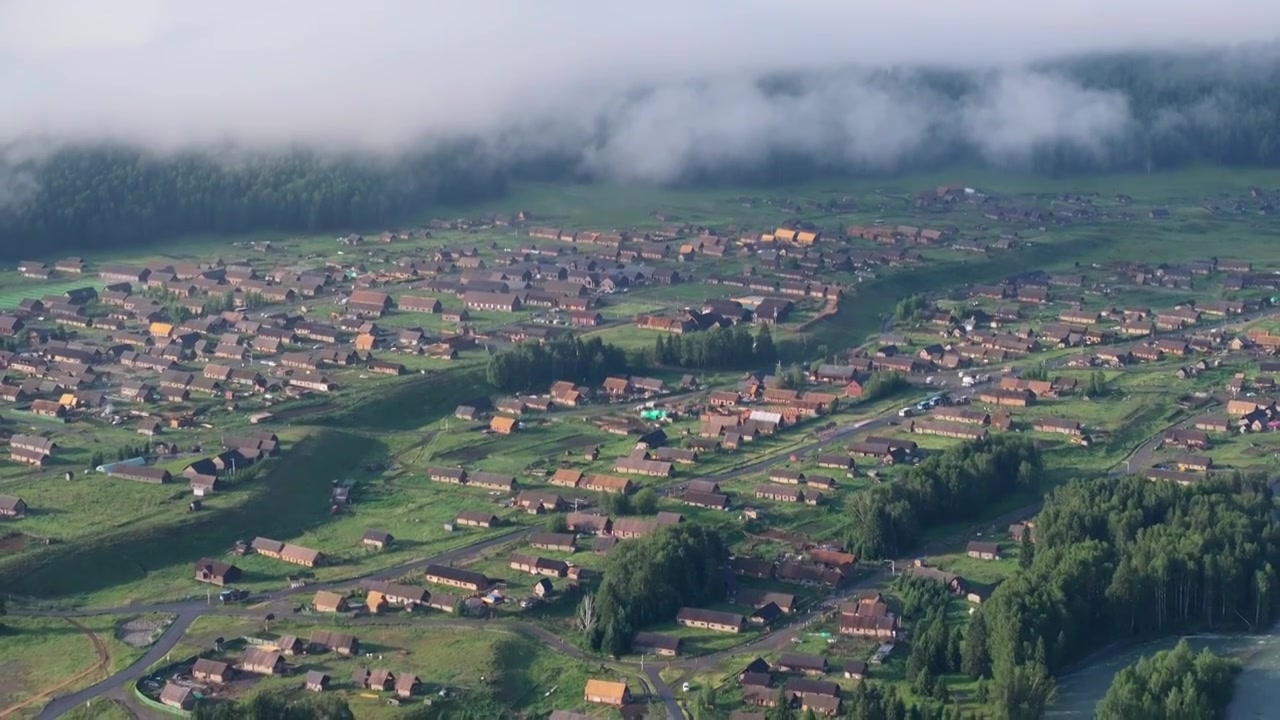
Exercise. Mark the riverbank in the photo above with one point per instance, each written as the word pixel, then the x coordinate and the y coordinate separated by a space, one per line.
pixel 1257 692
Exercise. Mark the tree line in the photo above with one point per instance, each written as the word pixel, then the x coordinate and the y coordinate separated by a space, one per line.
pixel 717 349
pixel 935 641
pixel 880 385
pixel 114 196
pixel 647 580
pixel 1187 108
pixel 644 502
pixel 869 700
pixel 534 366
pixel 1126 558
pixel 1177 683
pixel 913 308
pixel 956 484
pixel 1184 109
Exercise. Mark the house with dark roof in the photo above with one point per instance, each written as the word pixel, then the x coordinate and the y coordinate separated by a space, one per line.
pixel 477 518
pixel 455 577
pixel 709 500
pixel 983 550
pixel 588 523
pixel 710 620
pixel 657 644
pixel 801 663
pixel 377 539
pixel 216 572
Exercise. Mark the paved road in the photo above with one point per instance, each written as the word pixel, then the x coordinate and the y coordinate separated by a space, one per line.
pixel 202 605
pixel 841 433
pixel 187 612
pixel 674 711
pixel 1141 458
pixel 162 646
pixel 787 635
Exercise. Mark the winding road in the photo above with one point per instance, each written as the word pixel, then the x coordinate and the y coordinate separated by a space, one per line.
pixel 187 612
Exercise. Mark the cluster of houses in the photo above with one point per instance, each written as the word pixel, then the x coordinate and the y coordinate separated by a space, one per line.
pixel 752 411
pixel 977 336
pixel 137 354
pixel 726 312
pixel 31 449
pixel 129 348
pixel 900 234
pixel 267 656
pixel 605 532
pixel 869 616
pixel 803 687
pixel 567 394
pixel 827 569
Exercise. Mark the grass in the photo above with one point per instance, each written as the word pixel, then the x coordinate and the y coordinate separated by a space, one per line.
pixel 397 405
pixel 146 560
pixel 510 669
pixel 982 571
pixel 15 289
pixel 200 635
pixel 37 653
pixel 118 541
pixel 103 708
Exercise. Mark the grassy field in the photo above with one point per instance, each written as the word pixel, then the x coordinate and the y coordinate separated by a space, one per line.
pixel 511 670
pixel 101 709
pixel 16 289
pixel 290 499
pixel 38 654
pixel 982 571
pixel 114 541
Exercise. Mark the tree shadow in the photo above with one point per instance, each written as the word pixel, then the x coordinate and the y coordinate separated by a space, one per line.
pixel 407 405
pixel 293 498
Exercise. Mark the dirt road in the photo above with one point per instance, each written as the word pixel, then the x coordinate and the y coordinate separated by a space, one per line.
pixel 99 665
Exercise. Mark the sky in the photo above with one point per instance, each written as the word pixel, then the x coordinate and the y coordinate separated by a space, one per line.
pixel 383 75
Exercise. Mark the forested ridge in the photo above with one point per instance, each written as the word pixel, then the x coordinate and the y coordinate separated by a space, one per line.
pixel 1182 109
pixel 1121 558
pixel 103 197
pixel 1205 107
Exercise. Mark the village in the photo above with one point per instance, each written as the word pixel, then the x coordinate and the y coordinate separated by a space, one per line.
pixel 195 388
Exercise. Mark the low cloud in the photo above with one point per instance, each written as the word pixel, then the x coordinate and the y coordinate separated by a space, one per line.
pixel 637 91
pixel 1014 113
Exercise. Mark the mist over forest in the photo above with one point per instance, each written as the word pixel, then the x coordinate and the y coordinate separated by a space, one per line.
pixel 65 187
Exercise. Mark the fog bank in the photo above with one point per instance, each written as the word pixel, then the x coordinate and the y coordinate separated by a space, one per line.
pixel 648 91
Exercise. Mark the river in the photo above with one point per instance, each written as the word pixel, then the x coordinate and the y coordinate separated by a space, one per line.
pixel 1257 692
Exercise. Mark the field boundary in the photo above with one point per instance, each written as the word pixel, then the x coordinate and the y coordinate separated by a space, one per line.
pixel 103 657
